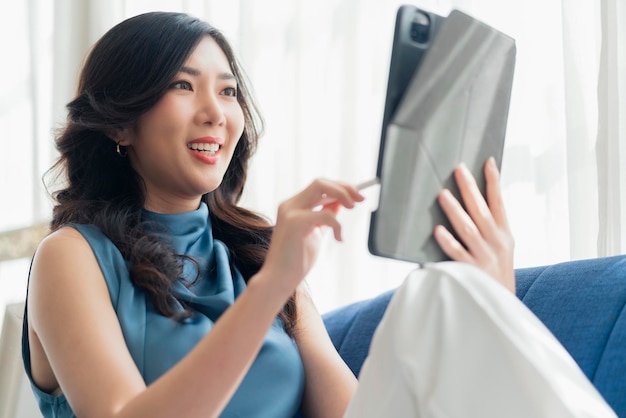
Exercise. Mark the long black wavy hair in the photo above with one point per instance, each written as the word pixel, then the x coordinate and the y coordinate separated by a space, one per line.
pixel 126 73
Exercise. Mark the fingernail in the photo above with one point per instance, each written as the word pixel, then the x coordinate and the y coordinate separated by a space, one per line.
pixel 492 164
pixel 445 194
pixel 465 171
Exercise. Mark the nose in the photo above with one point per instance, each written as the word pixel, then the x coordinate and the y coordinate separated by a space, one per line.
pixel 210 110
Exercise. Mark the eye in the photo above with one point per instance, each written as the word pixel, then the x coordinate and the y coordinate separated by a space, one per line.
pixel 182 85
pixel 230 91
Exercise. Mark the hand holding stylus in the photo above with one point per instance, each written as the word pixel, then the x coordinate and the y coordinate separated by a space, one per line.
pixel 359 187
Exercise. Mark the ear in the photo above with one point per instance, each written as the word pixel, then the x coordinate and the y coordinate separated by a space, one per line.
pixel 121 136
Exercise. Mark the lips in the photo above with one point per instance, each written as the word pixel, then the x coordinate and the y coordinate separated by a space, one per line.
pixel 206 149
pixel 210 148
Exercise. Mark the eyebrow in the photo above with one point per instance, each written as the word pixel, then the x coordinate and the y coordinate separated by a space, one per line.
pixel 195 72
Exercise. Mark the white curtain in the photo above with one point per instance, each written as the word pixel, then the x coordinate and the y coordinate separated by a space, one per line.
pixel 610 150
pixel 319 71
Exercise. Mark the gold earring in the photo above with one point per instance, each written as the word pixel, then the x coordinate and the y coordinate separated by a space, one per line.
pixel 122 152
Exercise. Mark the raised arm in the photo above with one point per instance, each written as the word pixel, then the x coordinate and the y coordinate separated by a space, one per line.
pixel 329 383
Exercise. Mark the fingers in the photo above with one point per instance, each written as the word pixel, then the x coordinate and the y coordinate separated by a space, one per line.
pixel 463 225
pixel 474 201
pixel 309 220
pixel 450 246
pixel 494 197
pixel 475 224
pixel 484 238
pixel 296 236
pixel 318 205
pixel 328 217
pixel 323 192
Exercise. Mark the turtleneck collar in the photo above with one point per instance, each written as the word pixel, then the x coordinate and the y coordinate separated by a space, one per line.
pixel 180 223
pixel 190 235
pixel 182 229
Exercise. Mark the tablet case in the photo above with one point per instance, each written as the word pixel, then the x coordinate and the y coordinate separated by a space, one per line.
pixel 454 110
pixel 414 31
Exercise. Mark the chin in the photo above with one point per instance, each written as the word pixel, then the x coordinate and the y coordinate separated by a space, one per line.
pixel 212 187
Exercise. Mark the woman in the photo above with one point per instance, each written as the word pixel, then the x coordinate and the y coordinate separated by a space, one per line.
pixel 156 295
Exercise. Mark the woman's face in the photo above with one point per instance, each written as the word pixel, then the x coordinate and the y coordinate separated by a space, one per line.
pixel 182 146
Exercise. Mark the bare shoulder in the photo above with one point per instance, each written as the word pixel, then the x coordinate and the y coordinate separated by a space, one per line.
pixel 77 341
pixel 64 267
pixel 61 246
pixel 65 238
pixel 49 281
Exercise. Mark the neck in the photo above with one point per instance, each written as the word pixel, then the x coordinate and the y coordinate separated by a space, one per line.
pixel 171 205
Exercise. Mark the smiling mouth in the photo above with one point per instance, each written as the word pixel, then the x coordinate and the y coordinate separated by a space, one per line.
pixel 204 148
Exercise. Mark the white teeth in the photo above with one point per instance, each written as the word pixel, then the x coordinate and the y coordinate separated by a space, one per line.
pixel 210 148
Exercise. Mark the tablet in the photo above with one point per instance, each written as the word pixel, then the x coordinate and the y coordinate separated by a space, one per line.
pixel 447 102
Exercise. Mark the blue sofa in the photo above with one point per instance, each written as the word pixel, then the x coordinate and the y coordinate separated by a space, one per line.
pixel 583 303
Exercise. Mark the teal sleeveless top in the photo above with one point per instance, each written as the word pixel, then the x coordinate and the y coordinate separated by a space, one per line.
pixel 274 384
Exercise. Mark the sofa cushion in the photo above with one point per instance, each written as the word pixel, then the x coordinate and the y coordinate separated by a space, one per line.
pixel 583 304
pixel 351 328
